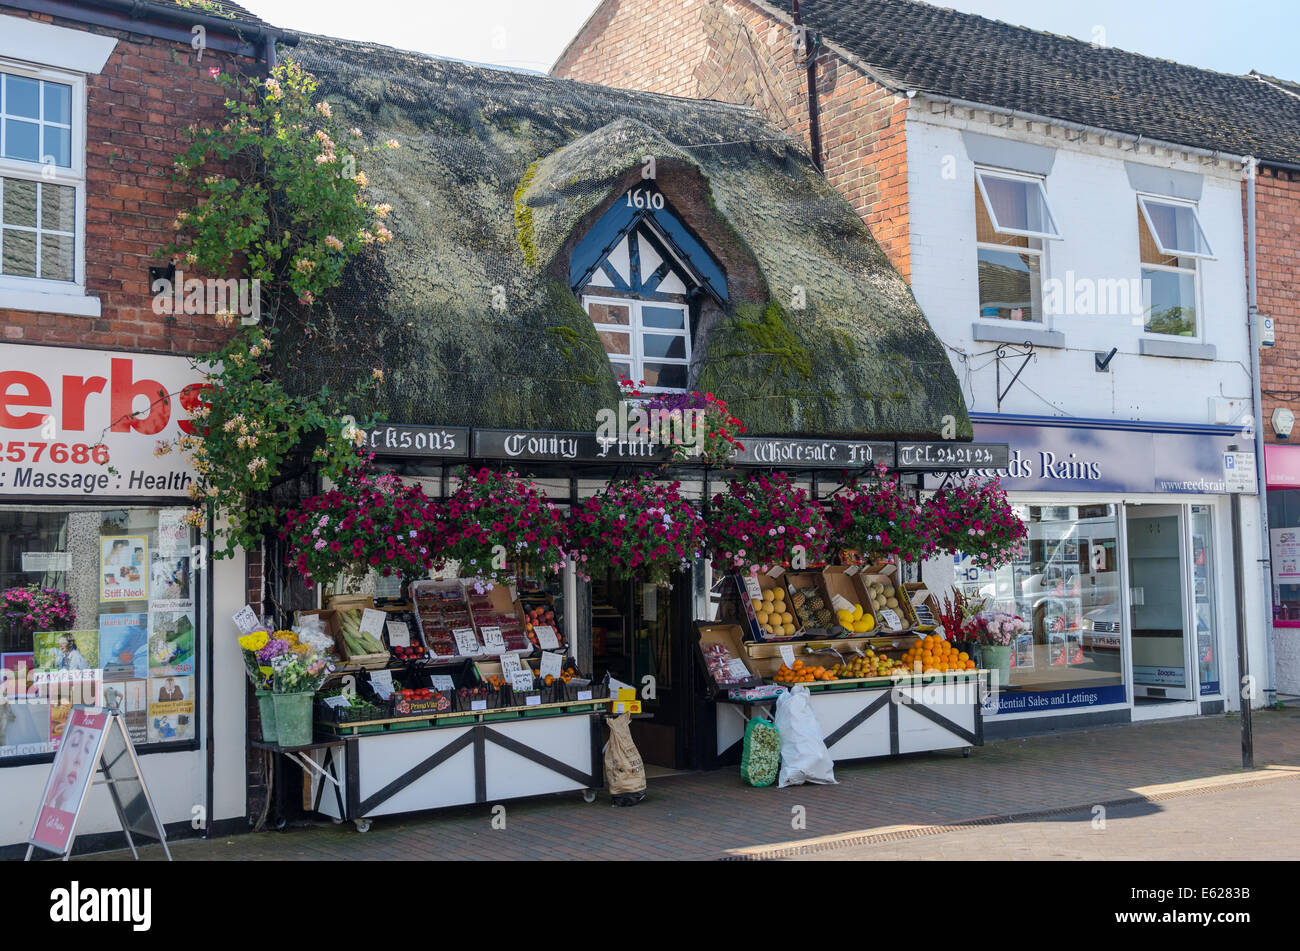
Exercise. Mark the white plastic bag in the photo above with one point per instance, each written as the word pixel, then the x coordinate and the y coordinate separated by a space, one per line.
pixel 804 757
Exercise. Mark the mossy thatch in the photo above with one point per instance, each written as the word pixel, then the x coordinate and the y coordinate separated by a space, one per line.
pixel 496 173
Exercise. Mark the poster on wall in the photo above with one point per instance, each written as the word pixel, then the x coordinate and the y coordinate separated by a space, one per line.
pixel 173 532
pixel 1024 653
pixel 131 699
pixel 1286 555
pixel 171 643
pixel 124 567
pixel 59 713
pixel 1056 650
pixel 24 727
pixel 171 709
pixel 123 645
pixel 169 576
pixel 65 650
pixel 16 670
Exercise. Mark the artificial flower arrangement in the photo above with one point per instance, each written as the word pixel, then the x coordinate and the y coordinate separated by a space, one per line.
pixel 881 520
pixel 976 520
pixel 368 522
pixel 715 438
pixel 496 514
pixel 284 662
pixel 39 609
pixel 636 529
pixel 763 519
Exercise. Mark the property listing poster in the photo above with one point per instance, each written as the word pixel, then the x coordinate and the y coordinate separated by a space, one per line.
pixel 171 709
pixel 24 721
pixel 124 645
pixel 124 567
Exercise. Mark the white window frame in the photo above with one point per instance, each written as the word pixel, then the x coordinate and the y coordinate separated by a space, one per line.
pixel 1194 270
pixel 1040 252
pixel 1155 235
pixel 1036 180
pixel 34 293
pixel 635 329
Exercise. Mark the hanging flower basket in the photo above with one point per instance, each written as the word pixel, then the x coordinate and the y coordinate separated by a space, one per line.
pixel 697 427
pixel 33 608
pixel 976 520
pixel 367 523
pixel 764 520
pixel 636 529
pixel 495 514
pixel 879 519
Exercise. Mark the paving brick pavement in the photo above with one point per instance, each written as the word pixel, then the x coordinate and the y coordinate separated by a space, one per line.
pixel 708 815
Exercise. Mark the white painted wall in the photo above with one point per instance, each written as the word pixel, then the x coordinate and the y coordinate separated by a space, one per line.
pixel 176 780
pixel 1096 211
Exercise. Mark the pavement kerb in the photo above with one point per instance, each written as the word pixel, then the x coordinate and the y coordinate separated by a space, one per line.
pixel 1141 794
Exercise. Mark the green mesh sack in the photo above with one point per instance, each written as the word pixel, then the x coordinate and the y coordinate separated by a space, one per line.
pixel 760 758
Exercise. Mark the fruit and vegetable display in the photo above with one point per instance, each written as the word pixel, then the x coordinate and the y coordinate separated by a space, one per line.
pixel 439 612
pixel 414 652
pixel 869 665
pixel 542 615
pixel 885 596
pixel 357 642
pixel 802 673
pixel 725 669
pixel 775 617
pixel 934 655
pixel 415 700
pixel 812 609
pixel 856 620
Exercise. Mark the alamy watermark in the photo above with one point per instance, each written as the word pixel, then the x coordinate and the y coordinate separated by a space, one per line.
pixel 237 297
pixel 639 430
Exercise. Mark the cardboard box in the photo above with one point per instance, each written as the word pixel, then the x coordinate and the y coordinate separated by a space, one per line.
pixel 888 576
pixel 814 581
pixel 751 592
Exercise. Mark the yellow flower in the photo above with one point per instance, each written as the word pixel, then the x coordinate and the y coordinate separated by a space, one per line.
pixel 254 642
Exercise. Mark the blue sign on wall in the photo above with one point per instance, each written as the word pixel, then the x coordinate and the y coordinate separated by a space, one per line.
pixel 1079 458
pixel 1028 701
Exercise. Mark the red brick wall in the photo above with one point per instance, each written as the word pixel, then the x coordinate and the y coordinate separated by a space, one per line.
pixel 736 51
pixel 1277 243
pixel 137 112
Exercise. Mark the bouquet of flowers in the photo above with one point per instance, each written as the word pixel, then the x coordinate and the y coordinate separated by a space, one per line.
pixel 300 671
pixel 637 528
pixel 39 609
pixel 995 628
pixel 765 520
pixel 500 513
pixel 250 647
pixel 282 663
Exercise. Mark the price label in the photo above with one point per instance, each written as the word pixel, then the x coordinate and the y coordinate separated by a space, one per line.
pixel 521 680
pixel 478 704
pixel 466 642
pixel 787 655
pixel 246 618
pixel 494 641
pixel 442 683
pixel 372 622
pixel 552 664
pixel 891 618
pixel 584 694
pixel 533 701
pixel 737 669
pixel 382 681
pixel 399 635
pixel 336 701
pixel 841 603
pixel 546 637
pixel 753 588
pixel 510 664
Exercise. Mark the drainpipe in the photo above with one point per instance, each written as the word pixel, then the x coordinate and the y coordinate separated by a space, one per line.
pixel 1252 312
pixel 810 44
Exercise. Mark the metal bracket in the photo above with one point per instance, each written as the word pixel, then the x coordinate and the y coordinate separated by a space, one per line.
pixel 1009 351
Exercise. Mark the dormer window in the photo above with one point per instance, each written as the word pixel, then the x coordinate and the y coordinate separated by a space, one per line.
pixel 638 273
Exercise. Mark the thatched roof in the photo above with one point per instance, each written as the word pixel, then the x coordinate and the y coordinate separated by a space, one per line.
pixel 500 173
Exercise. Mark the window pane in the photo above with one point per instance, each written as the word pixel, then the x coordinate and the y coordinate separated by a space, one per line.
pixel 58 207
pixel 666 375
pixel 662 345
pixel 1170 303
pixel 22 97
pixel 58 146
pixel 609 313
pixel 615 342
pixel 18 256
pixel 667 318
pixel 1017 205
pixel 985 233
pixel 19 203
pixel 56 257
pixel 22 140
pixel 1207 642
pixel 58 103
pixel 1176 229
pixel 1009 285
pixel 622 371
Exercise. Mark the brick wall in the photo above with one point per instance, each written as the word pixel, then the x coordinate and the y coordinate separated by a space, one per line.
pixel 1277 236
pixel 736 51
pixel 137 112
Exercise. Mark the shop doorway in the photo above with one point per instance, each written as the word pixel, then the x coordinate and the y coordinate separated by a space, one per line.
pixel 1159 605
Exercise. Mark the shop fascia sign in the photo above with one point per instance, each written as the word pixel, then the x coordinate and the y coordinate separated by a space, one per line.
pixel 85 423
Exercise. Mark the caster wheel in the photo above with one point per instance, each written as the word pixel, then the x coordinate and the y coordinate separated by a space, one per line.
pixel 965 754
pixel 336 821
pixel 589 795
pixel 363 825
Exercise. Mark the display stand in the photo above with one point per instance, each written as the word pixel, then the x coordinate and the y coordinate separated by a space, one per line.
pixel 94 741
pixel 324 774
